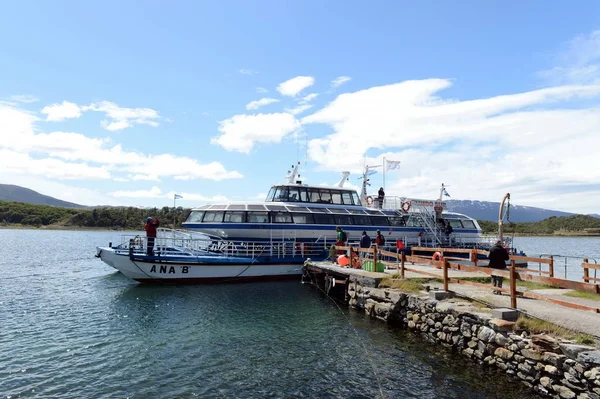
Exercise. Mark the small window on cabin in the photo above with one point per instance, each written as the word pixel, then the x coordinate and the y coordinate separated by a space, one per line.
pixel 336 197
pixel 235 217
pixel 323 218
pixel 282 194
pixel 271 195
pixel 362 220
pixel 468 224
pixel 195 217
pixel 258 217
pixel 294 194
pixel 303 218
pixel 303 194
pixel 414 222
pixel 236 207
pixel 281 217
pixel 343 219
pixel 455 223
pixel 325 196
pixel 347 198
pixel 356 199
pixel 396 221
pixel 313 195
pixel 213 217
pixel 379 220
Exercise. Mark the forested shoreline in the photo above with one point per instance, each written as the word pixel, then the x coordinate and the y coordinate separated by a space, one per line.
pixel 18 214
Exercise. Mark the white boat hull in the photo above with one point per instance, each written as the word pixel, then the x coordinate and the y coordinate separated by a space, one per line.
pixel 148 271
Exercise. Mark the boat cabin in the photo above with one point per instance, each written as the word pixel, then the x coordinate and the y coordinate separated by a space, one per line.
pixel 314 195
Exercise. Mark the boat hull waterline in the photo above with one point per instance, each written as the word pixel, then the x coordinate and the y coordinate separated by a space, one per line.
pixel 162 270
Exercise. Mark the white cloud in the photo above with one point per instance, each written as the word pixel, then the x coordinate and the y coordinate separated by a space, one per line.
pixel 260 103
pixel 154 192
pixel 309 97
pixel 241 132
pixel 261 90
pixel 247 72
pixel 299 109
pixel 295 85
pixel 509 143
pixel 60 112
pixel 25 98
pixel 340 80
pixel 197 197
pixel 579 62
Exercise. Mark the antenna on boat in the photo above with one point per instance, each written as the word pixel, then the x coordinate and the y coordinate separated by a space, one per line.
pixel 344 178
pixel 291 177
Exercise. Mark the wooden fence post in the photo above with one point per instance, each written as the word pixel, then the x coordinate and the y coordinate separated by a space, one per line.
pixel 551 266
pixel 397 260
pixel 586 271
pixel 445 275
pixel 375 257
pixel 474 256
pixel 513 284
pixel 402 260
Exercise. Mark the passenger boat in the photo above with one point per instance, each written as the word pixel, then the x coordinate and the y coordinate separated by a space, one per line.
pixel 272 239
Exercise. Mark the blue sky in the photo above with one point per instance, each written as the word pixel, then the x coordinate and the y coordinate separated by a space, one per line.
pixel 129 102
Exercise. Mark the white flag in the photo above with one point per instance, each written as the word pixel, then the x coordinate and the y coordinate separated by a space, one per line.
pixel 392 165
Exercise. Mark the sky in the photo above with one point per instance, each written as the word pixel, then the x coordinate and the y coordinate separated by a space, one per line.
pixel 129 103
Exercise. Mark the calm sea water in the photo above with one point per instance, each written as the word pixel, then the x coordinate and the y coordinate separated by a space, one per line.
pixel 72 327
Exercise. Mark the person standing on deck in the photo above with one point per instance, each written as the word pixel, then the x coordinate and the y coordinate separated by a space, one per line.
pixel 498 257
pixel 380 197
pixel 150 227
pixel 341 238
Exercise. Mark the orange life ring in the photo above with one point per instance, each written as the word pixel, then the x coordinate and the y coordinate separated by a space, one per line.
pixel 436 258
pixel 405 206
pixel 369 200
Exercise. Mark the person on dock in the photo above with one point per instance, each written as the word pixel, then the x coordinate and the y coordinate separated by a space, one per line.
pixel 150 227
pixel 379 239
pixel 380 197
pixel 365 240
pixel 498 257
pixel 341 238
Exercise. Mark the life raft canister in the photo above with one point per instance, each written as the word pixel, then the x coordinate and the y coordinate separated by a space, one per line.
pixel 405 206
pixel 437 256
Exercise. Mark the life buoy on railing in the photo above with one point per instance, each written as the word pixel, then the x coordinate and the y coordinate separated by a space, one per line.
pixel 437 257
pixel 369 200
pixel 405 206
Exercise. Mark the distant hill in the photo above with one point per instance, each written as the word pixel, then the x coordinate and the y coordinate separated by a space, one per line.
pixel 12 193
pixel 484 210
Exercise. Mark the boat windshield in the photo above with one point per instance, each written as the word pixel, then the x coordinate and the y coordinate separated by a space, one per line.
pixel 313 195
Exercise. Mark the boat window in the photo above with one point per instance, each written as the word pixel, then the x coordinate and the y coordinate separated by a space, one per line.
pixel 319 210
pixel 281 217
pixel 338 210
pixel 271 195
pixel 356 199
pixel 236 207
pixel 282 194
pixel 313 195
pixel 235 217
pixel 322 218
pixel 357 211
pixel 204 207
pixel 294 194
pixel 195 217
pixel 396 221
pixel 374 212
pixel 256 207
pixel 297 209
pixel 258 217
pixel 379 220
pixel 455 223
pixel 362 220
pixel 276 208
pixel 325 197
pixel 347 198
pixel 218 206
pixel 212 216
pixel 414 222
pixel 336 197
pixel 303 218
pixel 343 219
pixel 303 194
pixel 468 224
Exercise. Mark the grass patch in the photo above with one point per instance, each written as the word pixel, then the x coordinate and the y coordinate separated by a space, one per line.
pixel 583 294
pixel 530 285
pixel 537 326
pixel 481 280
pixel 402 285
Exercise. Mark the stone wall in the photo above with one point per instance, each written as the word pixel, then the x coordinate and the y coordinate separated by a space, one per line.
pixel 553 368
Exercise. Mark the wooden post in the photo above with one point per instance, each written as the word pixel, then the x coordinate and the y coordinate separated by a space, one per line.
pixel 551 266
pixel 374 258
pixel 474 256
pixel 586 271
pixel 397 260
pixel 402 260
pixel 513 284
pixel 445 275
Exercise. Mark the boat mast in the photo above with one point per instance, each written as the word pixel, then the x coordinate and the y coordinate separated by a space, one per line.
pixel 345 175
pixel 291 177
pixel 501 215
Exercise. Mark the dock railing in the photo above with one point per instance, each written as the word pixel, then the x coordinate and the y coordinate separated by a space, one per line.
pixel 451 260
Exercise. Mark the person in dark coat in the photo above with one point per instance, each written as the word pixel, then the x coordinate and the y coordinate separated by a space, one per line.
pixel 380 197
pixel 150 227
pixel 498 257
pixel 365 240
